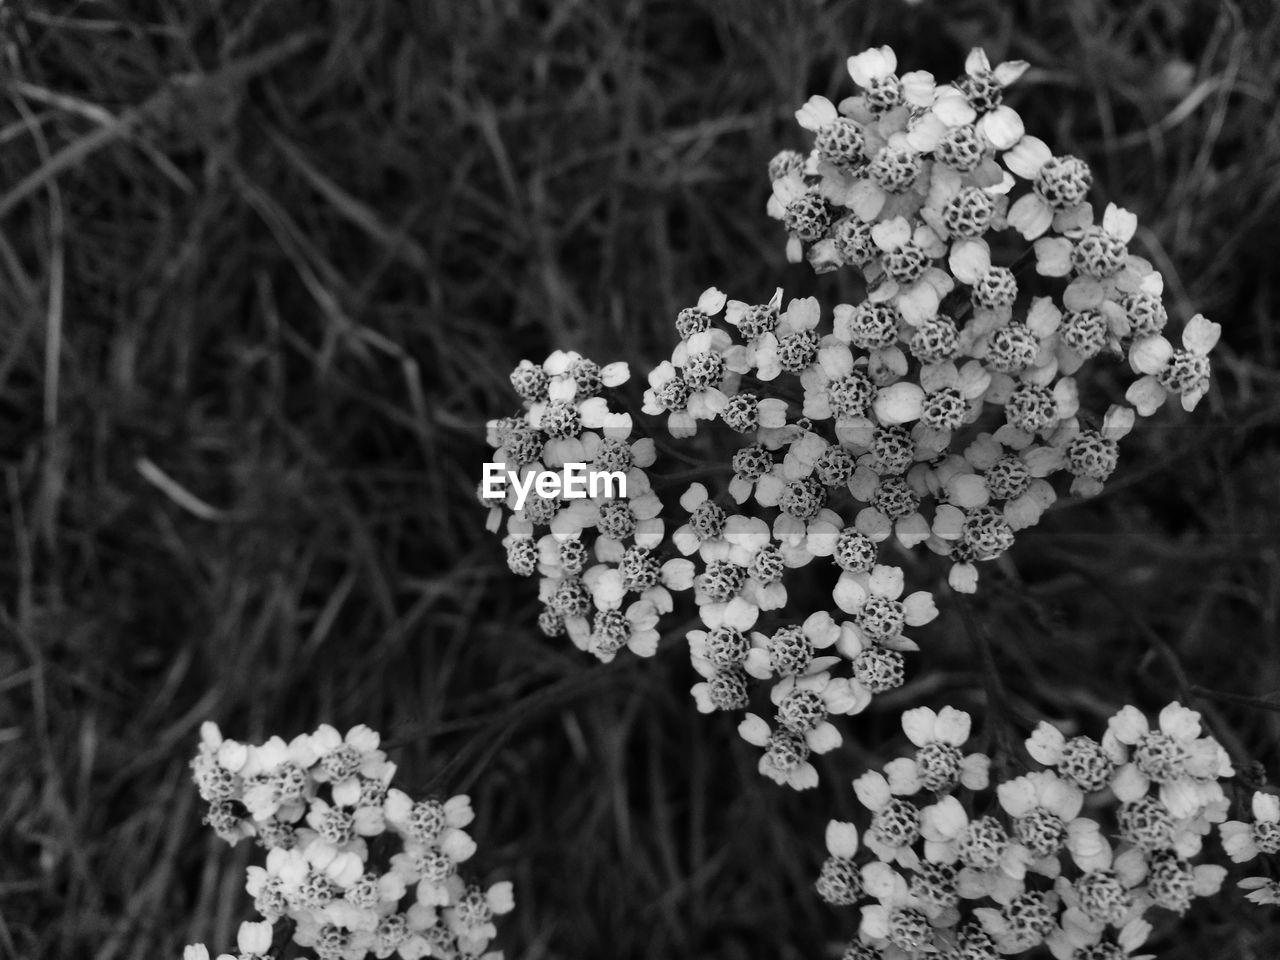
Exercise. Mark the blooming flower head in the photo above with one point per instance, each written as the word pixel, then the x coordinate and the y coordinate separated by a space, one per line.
pixel 939 764
pixel 1024 922
pixel 1043 807
pixel 872 600
pixel 1244 841
pixel 786 753
pixel 840 882
pixel 1079 760
pixel 705 528
pixel 1185 766
pixel 1165 370
pixel 895 822
pixel 697 318
pixel 792 650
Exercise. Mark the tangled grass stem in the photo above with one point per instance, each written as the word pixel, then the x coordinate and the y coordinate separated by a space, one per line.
pixel 1241 757
pixel 998 725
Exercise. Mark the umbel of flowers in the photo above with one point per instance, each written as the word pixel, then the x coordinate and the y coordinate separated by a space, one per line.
pixel 937 413
pixel 314 804
pixel 1074 856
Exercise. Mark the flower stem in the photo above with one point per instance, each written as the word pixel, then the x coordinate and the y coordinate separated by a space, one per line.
pixel 998 724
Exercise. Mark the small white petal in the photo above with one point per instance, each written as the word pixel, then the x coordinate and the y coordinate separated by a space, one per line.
pixel 1129 784
pixel 886 581
pixel 919 608
pixel 871 65
pixel 842 839
pixel 969 260
pixel 898 403
pixel 953 109
pixel 1008 72
pixel 976 62
pixel 1120 223
pixel 1129 725
pixel 711 301
pixel 1118 421
pixel 953 726
pixel 1027 157
pixel 1046 743
pixel 1002 126
pixel 918 724
pixel 1266 807
pixel 1146 394
pixel 872 790
pixel 1201 335
pixel 963 578
pixel 1053 256
pixel 754 730
pixel 817 113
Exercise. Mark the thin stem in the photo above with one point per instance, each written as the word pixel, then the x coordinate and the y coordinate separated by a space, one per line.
pixel 1241 758
pixel 1227 697
pixel 998 724
pixel 1158 643
pixel 709 470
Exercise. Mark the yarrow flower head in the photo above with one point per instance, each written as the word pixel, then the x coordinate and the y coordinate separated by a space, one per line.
pixel 313 802
pixel 925 875
pixel 939 763
pixel 947 409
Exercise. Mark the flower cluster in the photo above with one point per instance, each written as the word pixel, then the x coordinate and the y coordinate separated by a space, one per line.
pixel 934 413
pixel 802 663
pixel 905 183
pixel 602 582
pixel 314 803
pixel 937 875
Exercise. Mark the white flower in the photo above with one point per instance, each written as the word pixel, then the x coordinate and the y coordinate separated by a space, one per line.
pixel 797 697
pixel 919 299
pixel 895 823
pixel 1012 928
pixel 634 628
pixel 1262 890
pixel 669 392
pixel 1043 807
pixel 704 531
pixel 770 352
pixel 1244 841
pixel 785 759
pixel 871 65
pixel 1185 372
pixel 1072 939
pixel 894 505
pixel 939 763
pixel 710 302
pixel 1186 767
pixel 791 650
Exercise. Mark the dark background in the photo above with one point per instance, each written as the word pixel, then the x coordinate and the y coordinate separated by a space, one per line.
pixel 264 266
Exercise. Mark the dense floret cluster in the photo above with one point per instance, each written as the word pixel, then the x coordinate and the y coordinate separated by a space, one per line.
pixel 942 411
pixel 1072 856
pixel 315 804
pixel 936 413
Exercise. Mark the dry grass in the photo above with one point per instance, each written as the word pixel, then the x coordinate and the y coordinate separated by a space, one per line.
pixel 264 266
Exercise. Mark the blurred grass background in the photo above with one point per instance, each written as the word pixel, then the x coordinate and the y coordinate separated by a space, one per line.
pixel 264 266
